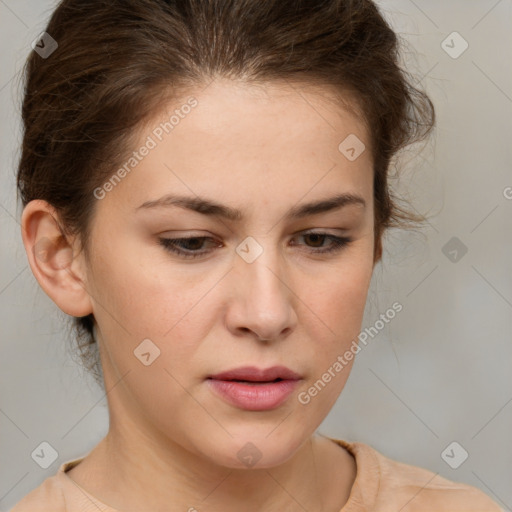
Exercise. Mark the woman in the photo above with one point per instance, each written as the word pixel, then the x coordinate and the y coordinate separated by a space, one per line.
pixel 205 190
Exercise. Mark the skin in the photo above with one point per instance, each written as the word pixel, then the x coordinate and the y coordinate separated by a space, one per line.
pixel 263 150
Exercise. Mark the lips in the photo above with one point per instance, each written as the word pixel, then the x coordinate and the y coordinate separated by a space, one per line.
pixel 253 374
pixel 253 389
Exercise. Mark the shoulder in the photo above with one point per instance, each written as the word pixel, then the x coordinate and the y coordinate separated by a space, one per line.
pixel 45 498
pixel 389 485
pixel 425 490
pixel 56 494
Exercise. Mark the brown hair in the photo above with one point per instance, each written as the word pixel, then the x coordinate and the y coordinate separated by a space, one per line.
pixel 118 62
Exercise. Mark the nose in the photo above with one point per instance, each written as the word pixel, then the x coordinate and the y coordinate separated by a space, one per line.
pixel 263 302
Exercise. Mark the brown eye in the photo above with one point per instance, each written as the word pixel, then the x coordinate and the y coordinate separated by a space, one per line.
pixel 317 240
pixel 186 247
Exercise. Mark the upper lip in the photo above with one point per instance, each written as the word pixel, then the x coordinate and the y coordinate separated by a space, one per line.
pixel 253 374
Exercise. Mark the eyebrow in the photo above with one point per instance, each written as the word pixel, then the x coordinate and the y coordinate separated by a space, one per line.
pixel 214 209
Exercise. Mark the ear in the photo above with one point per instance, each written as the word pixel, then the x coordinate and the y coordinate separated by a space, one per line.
pixel 54 260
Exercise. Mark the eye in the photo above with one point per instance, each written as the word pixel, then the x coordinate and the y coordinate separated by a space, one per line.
pixel 185 247
pixel 318 238
pixel 193 247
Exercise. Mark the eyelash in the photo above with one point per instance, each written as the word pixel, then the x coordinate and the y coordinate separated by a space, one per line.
pixel 172 245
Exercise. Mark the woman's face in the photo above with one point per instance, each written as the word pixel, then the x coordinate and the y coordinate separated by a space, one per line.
pixel 268 286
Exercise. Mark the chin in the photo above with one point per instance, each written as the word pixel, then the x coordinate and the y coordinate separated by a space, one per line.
pixel 255 449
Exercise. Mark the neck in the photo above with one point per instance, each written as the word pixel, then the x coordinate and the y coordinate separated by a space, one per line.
pixel 154 475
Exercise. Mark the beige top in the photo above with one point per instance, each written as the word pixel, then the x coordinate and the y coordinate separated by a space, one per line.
pixel 381 485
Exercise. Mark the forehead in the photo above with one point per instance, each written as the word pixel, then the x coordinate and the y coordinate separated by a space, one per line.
pixel 281 105
pixel 244 141
pixel 232 112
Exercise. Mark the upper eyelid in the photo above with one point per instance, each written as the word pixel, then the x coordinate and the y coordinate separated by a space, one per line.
pixel 298 233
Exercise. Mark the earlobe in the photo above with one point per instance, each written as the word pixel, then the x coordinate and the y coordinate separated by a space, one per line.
pixel 53 259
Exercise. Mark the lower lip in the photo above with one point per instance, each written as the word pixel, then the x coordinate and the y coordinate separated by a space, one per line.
pixel 254 397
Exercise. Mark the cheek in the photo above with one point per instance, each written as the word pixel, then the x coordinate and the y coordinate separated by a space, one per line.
pixel 339 297
pixel 333 337
pixel 140 291
pixel 162 304
pixel 338 302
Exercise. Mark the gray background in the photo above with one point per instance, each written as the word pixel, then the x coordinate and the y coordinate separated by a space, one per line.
pixel 439 372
